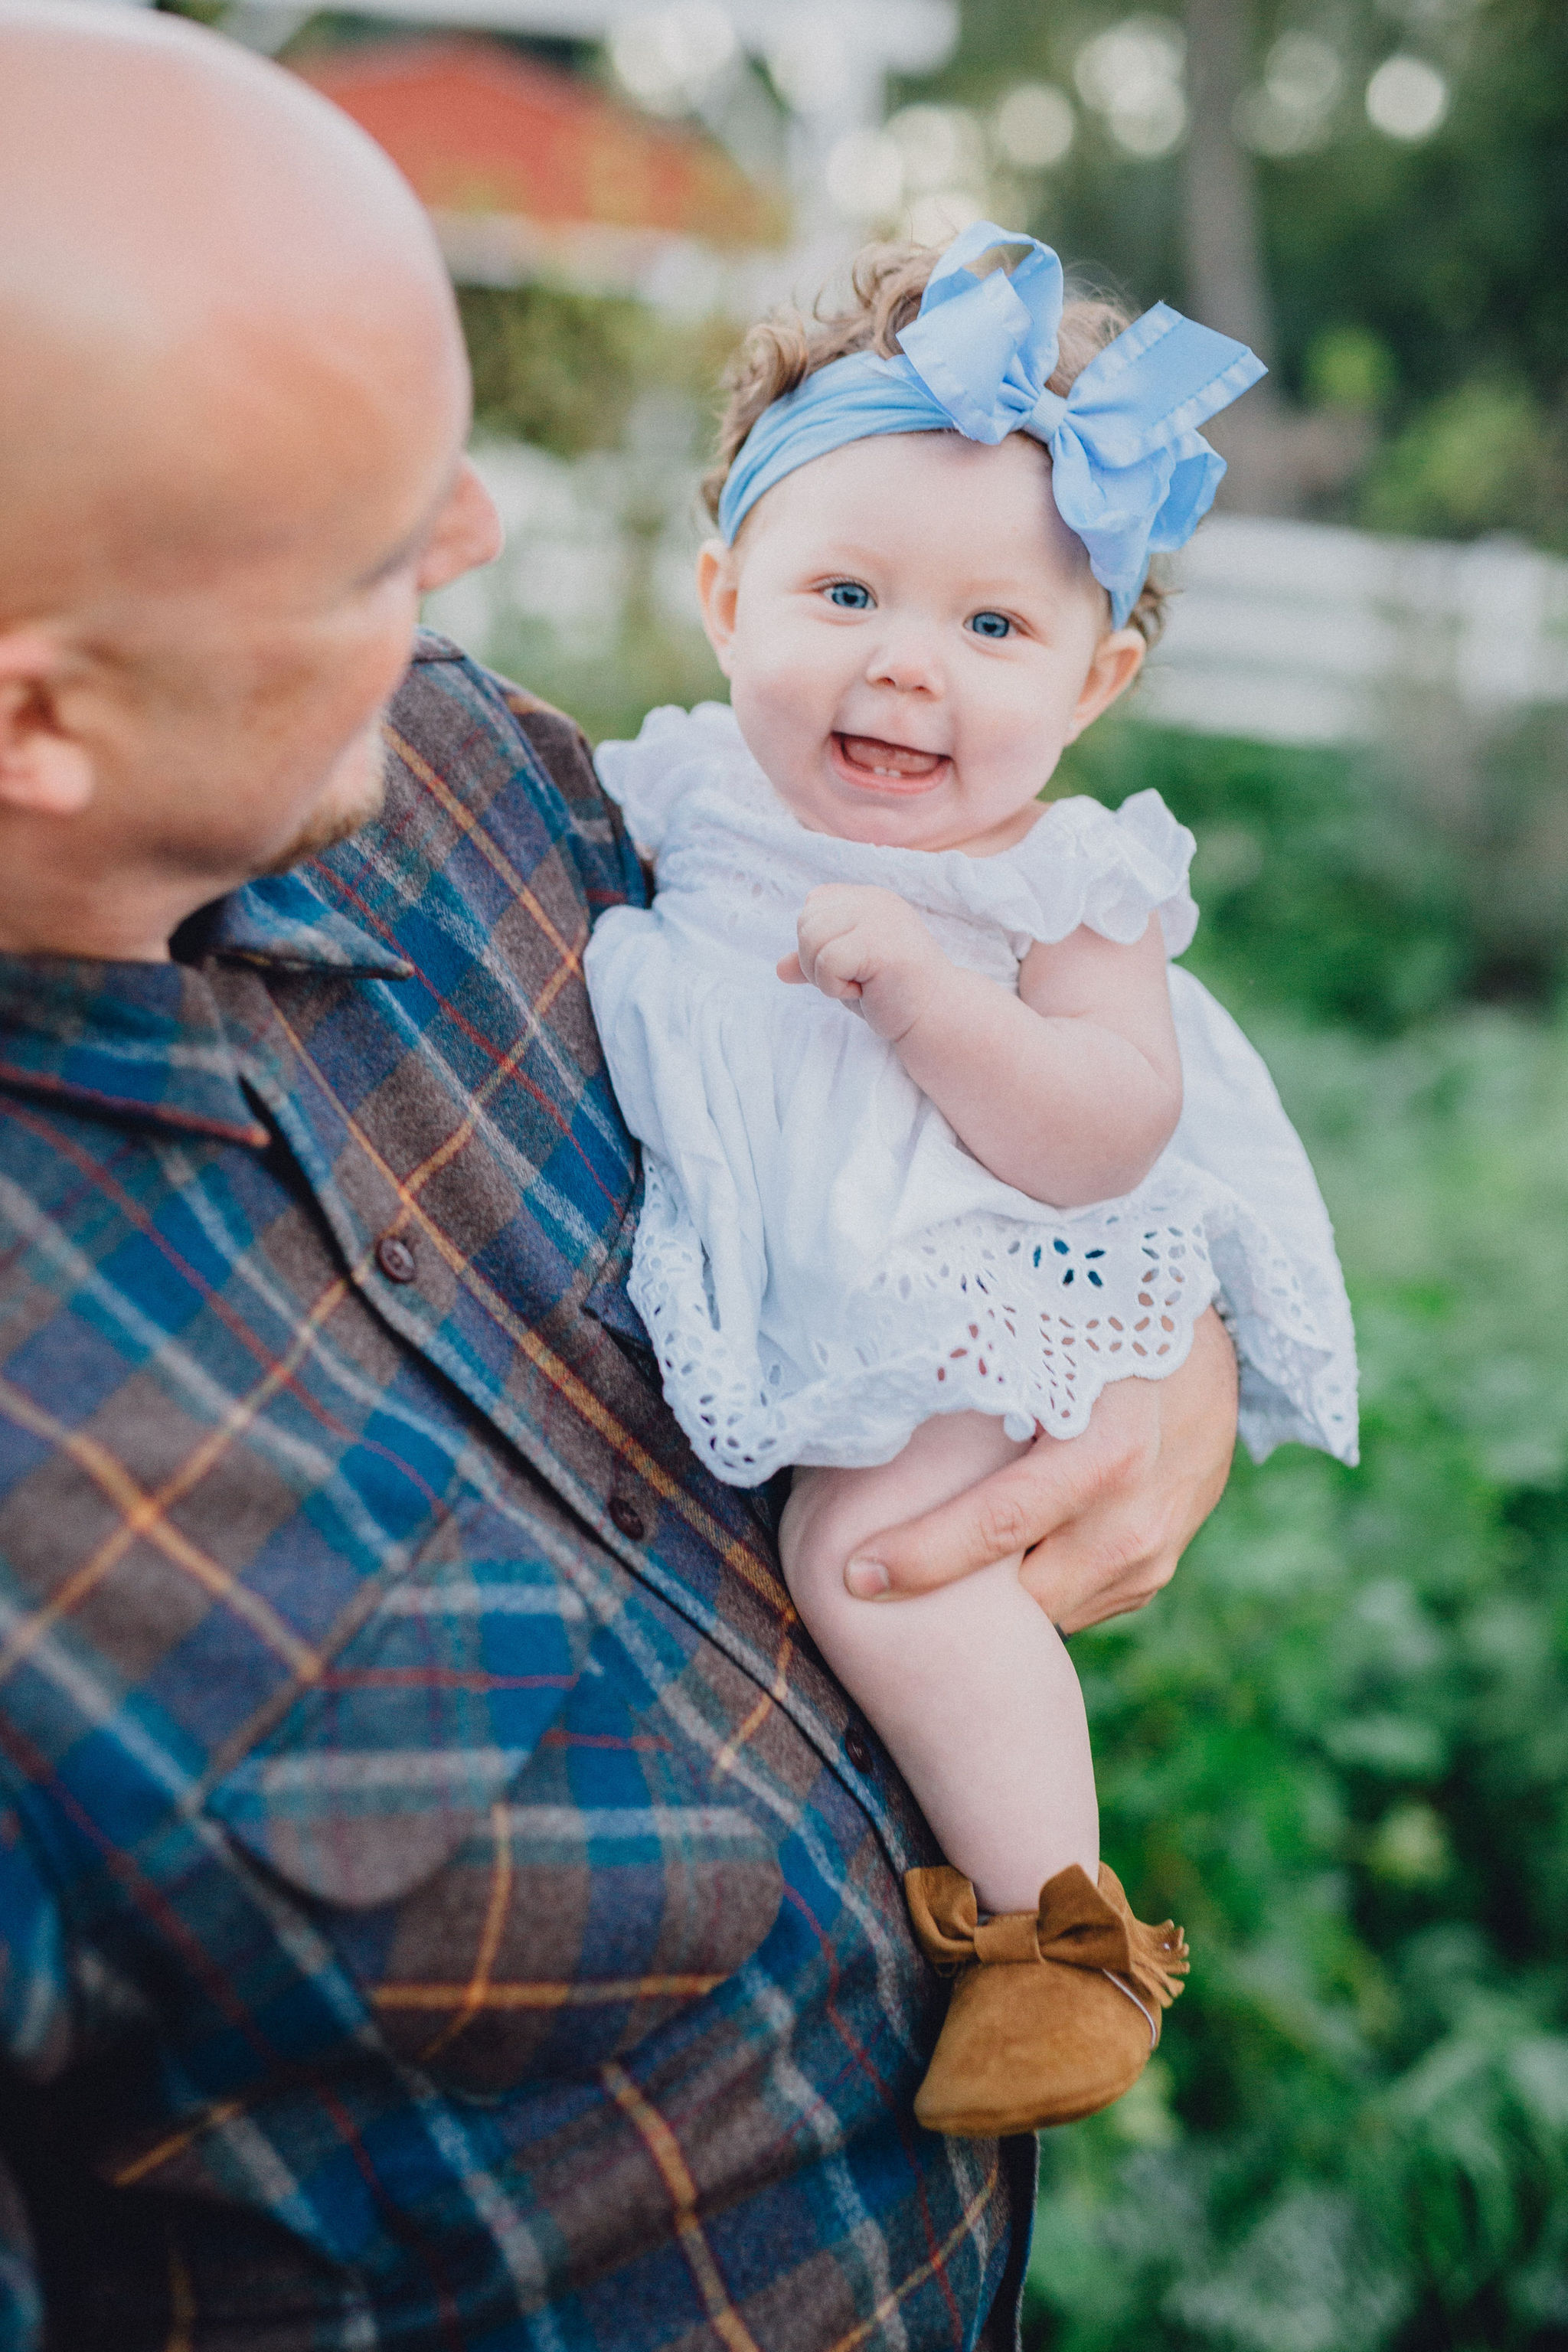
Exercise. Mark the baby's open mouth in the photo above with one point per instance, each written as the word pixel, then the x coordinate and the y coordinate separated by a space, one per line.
pixel 866 759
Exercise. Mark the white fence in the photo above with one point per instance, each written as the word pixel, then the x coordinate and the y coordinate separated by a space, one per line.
pixel 1299 633
pixel 1281 632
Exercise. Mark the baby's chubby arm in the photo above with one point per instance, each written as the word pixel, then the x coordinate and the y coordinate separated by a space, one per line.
pixel 1069 1090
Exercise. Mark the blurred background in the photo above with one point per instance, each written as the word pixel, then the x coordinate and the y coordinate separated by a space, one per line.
pixel 1338 1748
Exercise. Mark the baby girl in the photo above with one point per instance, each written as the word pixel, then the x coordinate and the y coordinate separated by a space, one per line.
pixel 902 1047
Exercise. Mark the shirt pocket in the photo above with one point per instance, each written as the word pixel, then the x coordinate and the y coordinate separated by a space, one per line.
pixel 606 1893
pixel 513 1846
pixel 395 1754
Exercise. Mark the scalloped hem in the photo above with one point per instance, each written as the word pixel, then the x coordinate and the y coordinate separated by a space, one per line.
pixel 742 1458
pixel 1000 1343
pixel 978 1319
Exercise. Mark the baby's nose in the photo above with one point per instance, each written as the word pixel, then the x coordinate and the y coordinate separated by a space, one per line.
pixel 907 664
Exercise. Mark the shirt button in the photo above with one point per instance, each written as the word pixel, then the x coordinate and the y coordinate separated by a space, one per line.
pixel 396 1258
pixel 627 1517
pixel 857 1747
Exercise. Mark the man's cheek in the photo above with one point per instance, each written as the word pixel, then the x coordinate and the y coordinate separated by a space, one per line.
pixel 352 797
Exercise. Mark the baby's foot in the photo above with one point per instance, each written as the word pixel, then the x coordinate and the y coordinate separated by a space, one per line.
pixel 1053 2013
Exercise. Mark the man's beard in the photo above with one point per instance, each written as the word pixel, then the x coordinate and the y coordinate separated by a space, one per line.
pixel 324 826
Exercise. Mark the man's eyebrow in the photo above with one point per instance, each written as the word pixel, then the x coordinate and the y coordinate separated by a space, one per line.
pixel 409 545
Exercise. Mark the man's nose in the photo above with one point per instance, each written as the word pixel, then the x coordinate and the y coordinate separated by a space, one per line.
pixel 468 534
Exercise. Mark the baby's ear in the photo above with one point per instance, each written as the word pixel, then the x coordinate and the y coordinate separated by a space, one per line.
pixel 1113 665
pixel 717 585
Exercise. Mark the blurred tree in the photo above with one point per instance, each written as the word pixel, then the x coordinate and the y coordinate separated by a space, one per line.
pixel 1442 253
pixel 565 369
pixel 1222 233
pixel 554 367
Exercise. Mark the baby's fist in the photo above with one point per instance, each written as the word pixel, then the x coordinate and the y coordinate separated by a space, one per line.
pixel 858 944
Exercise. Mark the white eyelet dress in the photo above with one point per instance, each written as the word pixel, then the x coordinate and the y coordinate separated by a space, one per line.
pixel 820 1262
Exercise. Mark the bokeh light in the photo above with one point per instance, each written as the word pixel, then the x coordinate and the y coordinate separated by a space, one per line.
pixel 1406 98
pixel 1291 111
pixel 940 147
pixel 937 219
pixel 669 58
pixel 1131 75
pixel 865 176
pixel 1034 126
pixel 808 64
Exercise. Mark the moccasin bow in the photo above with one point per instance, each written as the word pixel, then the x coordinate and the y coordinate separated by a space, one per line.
pixel 1054 2011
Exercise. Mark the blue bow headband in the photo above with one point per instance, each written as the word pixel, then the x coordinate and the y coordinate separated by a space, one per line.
pixel 1131 473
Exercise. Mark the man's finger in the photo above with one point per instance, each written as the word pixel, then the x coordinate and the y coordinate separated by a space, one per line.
pixel 1012 1510
pixel 1100 1565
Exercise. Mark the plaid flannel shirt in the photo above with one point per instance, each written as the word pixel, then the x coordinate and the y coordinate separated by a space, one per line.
pixel 443 1901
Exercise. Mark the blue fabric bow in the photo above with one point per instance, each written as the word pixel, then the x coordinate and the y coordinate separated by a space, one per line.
pixel 1130 471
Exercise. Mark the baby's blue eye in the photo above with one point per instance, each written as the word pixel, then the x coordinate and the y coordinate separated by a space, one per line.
pixel 850 596
pixel 990 625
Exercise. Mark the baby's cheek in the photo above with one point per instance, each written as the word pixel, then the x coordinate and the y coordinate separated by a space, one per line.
pixel 1027 741
pixel 781 735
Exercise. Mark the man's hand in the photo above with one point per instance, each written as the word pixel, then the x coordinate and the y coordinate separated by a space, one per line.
pixel 1103 1518
pixel 859 944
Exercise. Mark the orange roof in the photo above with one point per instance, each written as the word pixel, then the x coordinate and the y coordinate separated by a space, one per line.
pixel 477 129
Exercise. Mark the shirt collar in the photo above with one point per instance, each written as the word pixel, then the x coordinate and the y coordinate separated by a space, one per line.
pixel 285 922
pixel 146 1040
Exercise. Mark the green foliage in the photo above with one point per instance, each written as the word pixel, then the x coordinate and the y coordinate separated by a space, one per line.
pixel 564 370
pixel 555 368
pixel 1451 250
pixel 1337 1749
pixel 609 694
pixel 1444 257
pixel 1319 889
pixel 1350 367
pixel 1359 889
pixel 1486 457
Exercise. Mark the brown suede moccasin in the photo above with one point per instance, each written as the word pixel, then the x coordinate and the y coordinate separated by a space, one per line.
pixel 1053 2013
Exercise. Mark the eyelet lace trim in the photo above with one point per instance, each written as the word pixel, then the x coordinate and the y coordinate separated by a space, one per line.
pixel 1026 1325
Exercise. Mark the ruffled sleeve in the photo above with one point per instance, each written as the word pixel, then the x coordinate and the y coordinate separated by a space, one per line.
pixel 1083 865
pixel 675 753
pixel 1270 1238
pixel 1269 1241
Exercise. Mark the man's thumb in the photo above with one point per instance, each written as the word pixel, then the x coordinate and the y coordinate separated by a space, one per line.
pixel 1011 1511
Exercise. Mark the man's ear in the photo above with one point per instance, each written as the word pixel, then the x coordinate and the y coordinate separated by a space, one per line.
pixel 44 770
pixel 1116 662
pixel 718 585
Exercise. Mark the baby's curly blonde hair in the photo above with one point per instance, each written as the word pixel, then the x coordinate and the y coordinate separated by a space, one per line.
pixel 887 281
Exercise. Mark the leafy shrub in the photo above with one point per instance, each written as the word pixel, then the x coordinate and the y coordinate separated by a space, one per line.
pixel 1337 1749
pixel 1355 886
pixel 1485 456
pixel 564 369
pixel 1319 888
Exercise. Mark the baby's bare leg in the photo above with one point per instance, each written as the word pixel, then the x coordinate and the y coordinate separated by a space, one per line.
pixel 971 1688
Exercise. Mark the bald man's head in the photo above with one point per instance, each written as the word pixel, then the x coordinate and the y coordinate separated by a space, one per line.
pixel 198 251
pixel 232 415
